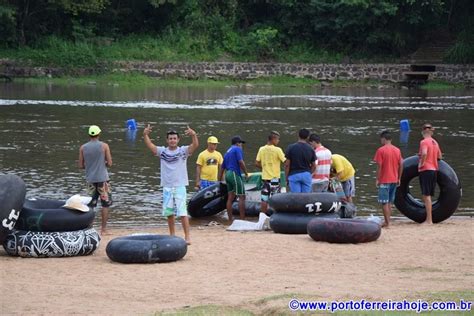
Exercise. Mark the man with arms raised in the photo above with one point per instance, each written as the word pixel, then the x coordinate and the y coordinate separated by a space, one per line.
pixel 174 175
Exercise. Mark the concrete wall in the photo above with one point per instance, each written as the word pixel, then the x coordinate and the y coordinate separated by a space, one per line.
pixel 216 70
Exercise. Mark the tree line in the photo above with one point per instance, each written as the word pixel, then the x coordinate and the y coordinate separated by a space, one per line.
pixel 261 28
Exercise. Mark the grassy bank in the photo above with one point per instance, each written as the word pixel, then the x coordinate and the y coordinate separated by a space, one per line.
pixel 136 80
pixel 278 305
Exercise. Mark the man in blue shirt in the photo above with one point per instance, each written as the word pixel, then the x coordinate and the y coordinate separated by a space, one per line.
pixel 232 168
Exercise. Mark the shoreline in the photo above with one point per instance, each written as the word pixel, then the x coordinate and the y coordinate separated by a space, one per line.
pixel 257 272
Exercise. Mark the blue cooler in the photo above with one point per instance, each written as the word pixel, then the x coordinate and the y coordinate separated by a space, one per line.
pixel 404 126
pixel 131 124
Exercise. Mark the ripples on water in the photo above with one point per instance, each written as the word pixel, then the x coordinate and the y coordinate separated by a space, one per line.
pixel 41 138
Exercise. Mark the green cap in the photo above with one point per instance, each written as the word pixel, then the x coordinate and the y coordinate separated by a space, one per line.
pixel 94 130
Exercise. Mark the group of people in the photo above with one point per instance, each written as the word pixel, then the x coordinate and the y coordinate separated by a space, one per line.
pixel 308 166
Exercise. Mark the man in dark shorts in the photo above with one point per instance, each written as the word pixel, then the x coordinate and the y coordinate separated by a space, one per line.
pixel 300 164
pixel 429 154
pixel 95 157
pixel 232 168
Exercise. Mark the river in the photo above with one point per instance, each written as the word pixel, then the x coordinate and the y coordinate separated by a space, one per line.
pixel 43 125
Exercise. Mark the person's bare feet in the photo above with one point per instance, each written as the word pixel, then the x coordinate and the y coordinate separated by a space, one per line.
pixel 385 225
pixel 188 241
pixel 104 232
pixel 427 223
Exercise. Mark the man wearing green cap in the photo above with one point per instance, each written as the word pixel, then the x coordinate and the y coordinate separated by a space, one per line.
pixel 208 164
pixel 95 157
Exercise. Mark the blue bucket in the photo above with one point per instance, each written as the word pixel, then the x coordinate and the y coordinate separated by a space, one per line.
pixel 404 126
pixel 131 124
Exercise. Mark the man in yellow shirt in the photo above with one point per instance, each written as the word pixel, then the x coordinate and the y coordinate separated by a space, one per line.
pixel 208 164
pixel 343 171
pixel 269 159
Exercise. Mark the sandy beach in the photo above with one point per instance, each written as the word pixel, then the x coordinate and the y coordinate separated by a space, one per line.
pixel 258 271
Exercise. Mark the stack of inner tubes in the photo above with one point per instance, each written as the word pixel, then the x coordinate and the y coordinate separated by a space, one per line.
pixel 293 211
pixel 146 249
pixel 443 207
pixel 12 196
pixel 46 229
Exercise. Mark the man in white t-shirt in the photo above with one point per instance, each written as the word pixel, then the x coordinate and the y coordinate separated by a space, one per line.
pixel 174 175
pixel 320 181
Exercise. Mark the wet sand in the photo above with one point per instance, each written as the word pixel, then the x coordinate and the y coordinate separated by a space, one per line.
pixel 238 269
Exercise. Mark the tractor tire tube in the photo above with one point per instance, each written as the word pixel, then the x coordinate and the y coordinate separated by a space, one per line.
pixel 252 209
pixel 344 231
pixel 30 244
pixel 208 202
pixel 447 202
pixel 320 202
pixel 287 223
pixel 12 196
pixel 146 249
pixel 49 216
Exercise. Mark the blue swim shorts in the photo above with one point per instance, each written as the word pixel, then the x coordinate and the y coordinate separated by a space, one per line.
pixel 387 193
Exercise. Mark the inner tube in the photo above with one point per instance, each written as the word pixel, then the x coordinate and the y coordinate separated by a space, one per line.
pixel 49 216
pixel 297 223
pixel 209 201
pixel 317 202
pixel 447 202
pixel 146 249
pixel 30 244
pixel 344 231
pixel 12 196
pixel 252 209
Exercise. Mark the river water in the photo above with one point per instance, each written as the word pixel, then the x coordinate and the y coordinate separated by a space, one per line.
pixel 42 127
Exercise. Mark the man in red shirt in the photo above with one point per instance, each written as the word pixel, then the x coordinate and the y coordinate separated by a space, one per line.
pixel 429 155
pixel 389 171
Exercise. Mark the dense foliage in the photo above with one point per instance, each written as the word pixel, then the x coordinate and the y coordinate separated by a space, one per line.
pixel 284 30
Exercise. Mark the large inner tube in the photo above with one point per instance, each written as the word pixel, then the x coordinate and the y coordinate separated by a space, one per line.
pixel 288 223
pixel 146 249
pixel 209 201
pixel 344 230
pixel 12 196
pixel 447 202
pixel 51 244
pixel 50 216
pixel 321 202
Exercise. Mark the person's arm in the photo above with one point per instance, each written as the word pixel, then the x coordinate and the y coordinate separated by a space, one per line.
pixel 258 164
pixel 81 159
pixel 313 167
pixel 220 176
pixel 377 176
pixel 243 167
pixel 148 142
pixel 198 176
pixel 287 169
pixel 195 141
pixel 108 155
pixel 400 171
pixel 258 160
pixel 424 154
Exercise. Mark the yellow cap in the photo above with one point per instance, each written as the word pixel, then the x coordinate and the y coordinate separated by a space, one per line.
pixel 94 130
pixel 212 140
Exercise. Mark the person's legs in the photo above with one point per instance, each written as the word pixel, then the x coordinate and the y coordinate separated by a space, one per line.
pixel 105 193
pixel 295 183
pixel 349 189
pixel 242 206
pixel 305 182
pixel 170 220
pixel 384 199
pixel 428 184
pixel 185 223
pixel 265 194
pixel 230 200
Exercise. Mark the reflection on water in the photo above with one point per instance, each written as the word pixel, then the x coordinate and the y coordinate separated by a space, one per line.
pixel 42 127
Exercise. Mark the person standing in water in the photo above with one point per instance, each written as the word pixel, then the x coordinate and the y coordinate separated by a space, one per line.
pixel 174 175
pixel 95 157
